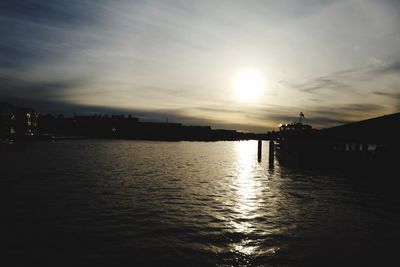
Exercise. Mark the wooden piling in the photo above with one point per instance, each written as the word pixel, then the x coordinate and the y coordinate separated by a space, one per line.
pixel 364 148
pixel 259 154
pixel 271 152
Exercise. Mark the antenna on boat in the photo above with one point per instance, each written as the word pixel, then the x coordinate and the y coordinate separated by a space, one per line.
pixel 301 117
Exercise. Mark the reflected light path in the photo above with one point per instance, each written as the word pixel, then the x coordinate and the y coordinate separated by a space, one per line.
pixel 247 192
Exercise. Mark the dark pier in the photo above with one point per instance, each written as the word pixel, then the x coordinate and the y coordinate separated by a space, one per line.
pixel 271 153
pixel 371 143
pixel 271 157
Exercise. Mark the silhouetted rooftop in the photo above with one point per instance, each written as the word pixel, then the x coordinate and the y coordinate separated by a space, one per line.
pixel 377 129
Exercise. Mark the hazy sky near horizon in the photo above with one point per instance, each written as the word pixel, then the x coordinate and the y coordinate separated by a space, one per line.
pixel 334 60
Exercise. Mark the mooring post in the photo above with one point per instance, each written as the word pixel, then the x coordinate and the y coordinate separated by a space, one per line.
pixel 364 148
pixel 259 154
pixel 271 152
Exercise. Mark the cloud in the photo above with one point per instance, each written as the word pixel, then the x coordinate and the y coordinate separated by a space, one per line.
pixel 392 68
pixel 394 96
pixel 55 12
pixel 14 87
pixel 347 79
pixel 220 109
pixel 337 80
pixel 354 108
pixel 324 82
pixel 391 95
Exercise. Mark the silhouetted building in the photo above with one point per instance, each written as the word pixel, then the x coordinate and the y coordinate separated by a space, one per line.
pixel 90 126
pixel 26 121
pixel 7 120
pixel 104 126
pixel 17 122
pixel 379 130
pixel 128 127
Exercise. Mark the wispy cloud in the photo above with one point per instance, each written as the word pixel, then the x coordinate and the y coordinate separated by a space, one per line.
pixel 395 95
pixel 391 96
pixel 347 79
pixel 14 87
pixel 390 68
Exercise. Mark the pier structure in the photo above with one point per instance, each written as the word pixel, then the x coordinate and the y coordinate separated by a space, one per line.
pixel 271 158
pixel 271 151
pixel 371 142
pixel 367 135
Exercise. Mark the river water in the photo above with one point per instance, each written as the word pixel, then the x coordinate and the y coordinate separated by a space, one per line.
pixel 141 203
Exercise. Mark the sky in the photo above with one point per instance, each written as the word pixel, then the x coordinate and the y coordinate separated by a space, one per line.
pixel 336 61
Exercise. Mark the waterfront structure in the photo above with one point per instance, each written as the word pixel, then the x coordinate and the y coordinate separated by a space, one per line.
pixel 7 120
pixel 359 145
pixel 26 121
pixel 128 127
pixel 17 122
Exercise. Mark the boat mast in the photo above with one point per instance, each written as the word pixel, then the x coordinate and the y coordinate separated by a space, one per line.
pixel 301 117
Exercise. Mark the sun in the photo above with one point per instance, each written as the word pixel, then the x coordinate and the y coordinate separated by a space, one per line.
pixel 248 85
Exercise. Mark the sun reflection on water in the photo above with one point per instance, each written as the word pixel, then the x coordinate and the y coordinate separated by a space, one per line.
pixel 246 184
pixel 247 187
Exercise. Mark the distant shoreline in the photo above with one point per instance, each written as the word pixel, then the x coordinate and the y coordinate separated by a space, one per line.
pixel 47 138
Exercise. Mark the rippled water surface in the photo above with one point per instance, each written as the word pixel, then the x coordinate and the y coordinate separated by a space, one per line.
pixel 139 203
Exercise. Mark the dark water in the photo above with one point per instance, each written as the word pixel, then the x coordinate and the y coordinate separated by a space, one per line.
pixel 134 203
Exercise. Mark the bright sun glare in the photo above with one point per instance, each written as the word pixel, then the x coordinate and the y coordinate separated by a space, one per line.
pixel 248 85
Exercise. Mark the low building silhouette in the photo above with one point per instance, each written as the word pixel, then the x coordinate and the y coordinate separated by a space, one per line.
pixel 25 123
pixel 17 122
pixel 7 120
pixel 128 127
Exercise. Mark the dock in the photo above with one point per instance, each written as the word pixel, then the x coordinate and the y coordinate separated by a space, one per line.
pixel 371 143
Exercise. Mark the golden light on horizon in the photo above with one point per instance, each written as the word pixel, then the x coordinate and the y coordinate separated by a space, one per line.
pixel 248 85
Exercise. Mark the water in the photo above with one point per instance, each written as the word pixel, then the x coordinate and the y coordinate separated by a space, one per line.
pixel 139 203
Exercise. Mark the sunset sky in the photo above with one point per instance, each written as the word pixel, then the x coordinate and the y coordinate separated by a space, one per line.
pixel 246 65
